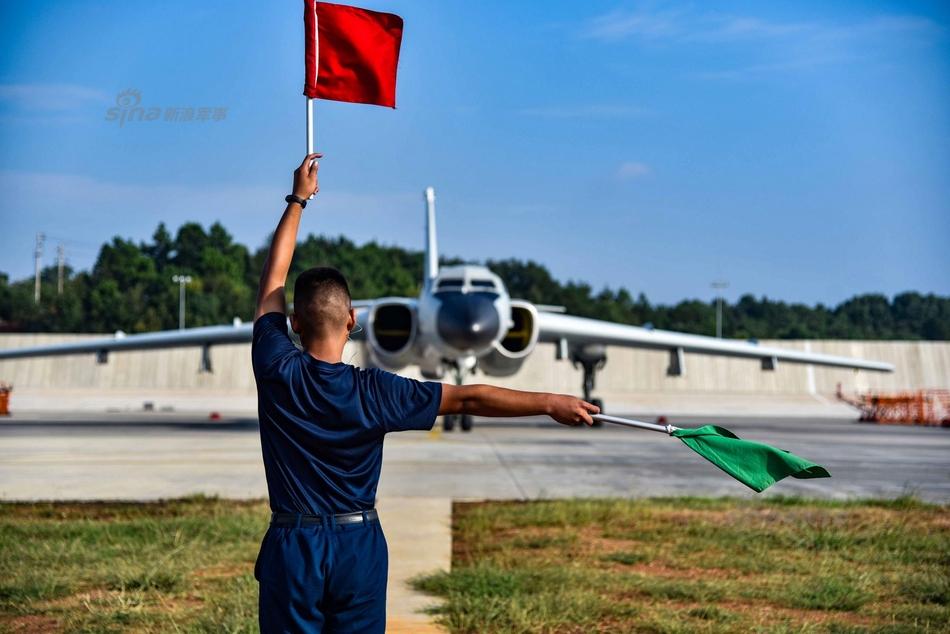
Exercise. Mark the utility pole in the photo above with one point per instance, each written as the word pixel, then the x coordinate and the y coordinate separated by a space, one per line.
pixel 182 280
pixel 37 258
pixel 719 285
pixel 60 264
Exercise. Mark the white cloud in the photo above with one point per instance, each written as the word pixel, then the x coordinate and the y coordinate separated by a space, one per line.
pixel 778 45
pixel 630 170
pixel 100 209
pixel 646 23
pixel 85 193
pixel 50 97
pixel 620 24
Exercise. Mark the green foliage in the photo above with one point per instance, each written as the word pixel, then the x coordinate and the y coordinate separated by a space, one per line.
pixel 130 288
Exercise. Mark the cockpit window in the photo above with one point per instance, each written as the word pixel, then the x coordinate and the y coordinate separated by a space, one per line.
pixel 483 283
pixel 449 283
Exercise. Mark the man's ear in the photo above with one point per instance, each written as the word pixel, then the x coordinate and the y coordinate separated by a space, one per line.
pixel 294 323
pixel 351 322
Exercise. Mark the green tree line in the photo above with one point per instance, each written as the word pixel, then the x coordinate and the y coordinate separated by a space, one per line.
pixel 130 288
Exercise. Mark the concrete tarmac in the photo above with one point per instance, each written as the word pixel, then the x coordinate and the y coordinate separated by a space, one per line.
pixel 156 455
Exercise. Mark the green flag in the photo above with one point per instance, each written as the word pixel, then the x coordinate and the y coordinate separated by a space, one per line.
pixel 756 465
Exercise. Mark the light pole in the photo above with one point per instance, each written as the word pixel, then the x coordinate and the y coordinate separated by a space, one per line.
pixel 182 281
pixel 37 259
pixel 60 265
pixel 719 285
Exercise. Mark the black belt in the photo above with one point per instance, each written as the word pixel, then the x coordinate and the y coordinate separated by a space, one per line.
pixel 305 519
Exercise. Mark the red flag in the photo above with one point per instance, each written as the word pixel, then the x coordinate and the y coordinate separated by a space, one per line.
pixel 351 53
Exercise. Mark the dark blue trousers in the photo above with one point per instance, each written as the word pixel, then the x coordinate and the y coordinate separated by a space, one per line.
pixel 323 578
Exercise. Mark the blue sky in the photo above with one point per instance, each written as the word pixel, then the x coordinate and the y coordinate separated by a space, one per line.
pixel 799 150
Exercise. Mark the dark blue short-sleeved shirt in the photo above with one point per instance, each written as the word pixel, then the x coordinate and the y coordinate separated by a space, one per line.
pixel 322 424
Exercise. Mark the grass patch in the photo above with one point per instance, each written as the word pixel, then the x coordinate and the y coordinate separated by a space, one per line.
pixel 710 613
pixel 181 565
pixel 625 558
pixel 697 564
pixel 655 565
pixel 828 593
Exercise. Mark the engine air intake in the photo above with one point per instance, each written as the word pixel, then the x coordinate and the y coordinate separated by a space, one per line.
pixel 392 327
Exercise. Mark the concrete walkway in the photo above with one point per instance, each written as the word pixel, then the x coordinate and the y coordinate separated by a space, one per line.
pixel 419 533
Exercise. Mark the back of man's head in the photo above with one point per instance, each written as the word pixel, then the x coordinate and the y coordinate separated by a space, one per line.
pixel 321 302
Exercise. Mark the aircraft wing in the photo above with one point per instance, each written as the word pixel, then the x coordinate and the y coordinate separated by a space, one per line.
pixel 556 328
pixel 205 336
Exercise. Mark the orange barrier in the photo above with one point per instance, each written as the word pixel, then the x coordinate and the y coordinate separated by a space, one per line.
pixel 921 407
pixel 5 389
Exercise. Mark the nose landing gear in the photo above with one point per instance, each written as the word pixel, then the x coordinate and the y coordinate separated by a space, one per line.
pixel 464 421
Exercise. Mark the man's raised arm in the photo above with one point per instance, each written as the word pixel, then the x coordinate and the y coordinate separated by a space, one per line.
pixel 270 293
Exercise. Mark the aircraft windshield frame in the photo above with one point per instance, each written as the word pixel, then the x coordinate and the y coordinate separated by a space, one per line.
pixel 478 284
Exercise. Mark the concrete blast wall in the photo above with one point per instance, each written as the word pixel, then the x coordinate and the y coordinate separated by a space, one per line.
pixel 629 376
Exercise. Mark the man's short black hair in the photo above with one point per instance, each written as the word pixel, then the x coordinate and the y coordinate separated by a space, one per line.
pixel 322 300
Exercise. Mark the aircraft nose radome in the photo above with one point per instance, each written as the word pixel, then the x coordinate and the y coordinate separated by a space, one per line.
pixel 468 321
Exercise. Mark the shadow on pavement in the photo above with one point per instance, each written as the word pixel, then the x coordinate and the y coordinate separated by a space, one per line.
pixel 228 425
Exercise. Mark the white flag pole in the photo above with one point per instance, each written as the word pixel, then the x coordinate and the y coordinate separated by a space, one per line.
pixel 316 73
pixel 310 132
pixel 639 424
pixel 309 125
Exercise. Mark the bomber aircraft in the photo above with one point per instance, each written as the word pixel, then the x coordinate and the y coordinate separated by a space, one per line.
pixel 464 321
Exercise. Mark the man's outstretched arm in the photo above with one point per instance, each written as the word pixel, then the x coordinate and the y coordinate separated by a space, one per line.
pixel 488 400
pixel 270 293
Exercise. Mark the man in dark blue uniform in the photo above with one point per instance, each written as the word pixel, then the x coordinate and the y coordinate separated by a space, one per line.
pixel 323 562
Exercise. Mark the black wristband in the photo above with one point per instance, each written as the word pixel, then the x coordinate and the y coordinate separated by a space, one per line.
pixel 293 198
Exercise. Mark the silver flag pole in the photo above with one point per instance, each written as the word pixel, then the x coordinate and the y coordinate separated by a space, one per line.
pixel 639 424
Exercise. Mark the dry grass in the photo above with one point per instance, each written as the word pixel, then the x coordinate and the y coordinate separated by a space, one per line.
pixel 176 566
pixel 660 565
pixel 684 565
